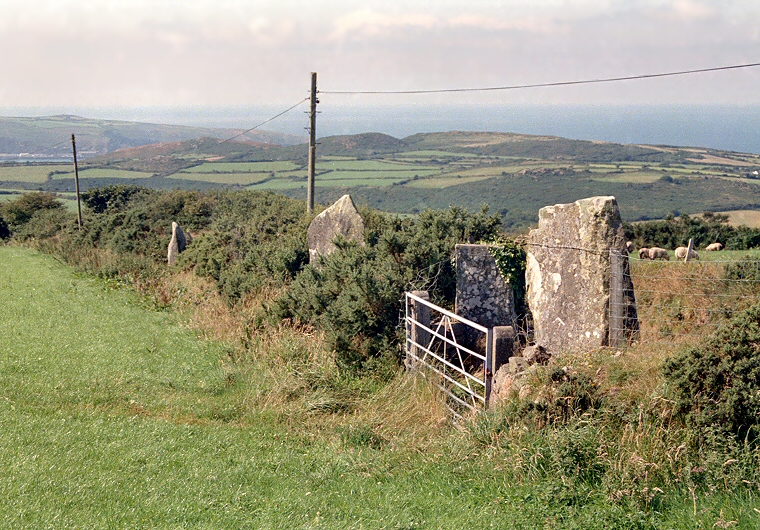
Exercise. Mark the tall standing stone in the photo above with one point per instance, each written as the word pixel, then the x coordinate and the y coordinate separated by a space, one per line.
pixel 177 244
pixel 340 219
pixel 568 274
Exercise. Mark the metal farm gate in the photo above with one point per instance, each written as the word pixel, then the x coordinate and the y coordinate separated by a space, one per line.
pixel 455 351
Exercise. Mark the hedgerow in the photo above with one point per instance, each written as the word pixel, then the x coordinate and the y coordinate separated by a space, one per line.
pixel 673 232
pixel 717 384
pixel 356 293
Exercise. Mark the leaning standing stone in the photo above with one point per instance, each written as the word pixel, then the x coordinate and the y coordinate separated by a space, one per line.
pixel 568 274
pixel 340 219
pixel 177 244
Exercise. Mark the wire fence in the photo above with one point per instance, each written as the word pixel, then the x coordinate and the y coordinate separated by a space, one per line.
pixel 692 299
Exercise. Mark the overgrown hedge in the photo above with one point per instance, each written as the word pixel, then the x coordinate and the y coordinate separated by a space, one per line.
pixel 356 294
pixel 717 384
pixel 673 232
pixel 246 241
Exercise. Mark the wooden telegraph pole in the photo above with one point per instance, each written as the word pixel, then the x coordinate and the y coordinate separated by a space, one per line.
pixel 312 144
pixel 76 181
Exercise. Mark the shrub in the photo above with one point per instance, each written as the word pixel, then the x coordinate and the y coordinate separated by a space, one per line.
pixel 5 232
pixel 110 197
pixel 21 210
pixel 355 294
pixel 717 385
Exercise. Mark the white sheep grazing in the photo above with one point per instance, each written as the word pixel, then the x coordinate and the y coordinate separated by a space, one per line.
pixel 714 246
pixel 643 253
pixel 681 253
pixel 659 253
pixel 629 246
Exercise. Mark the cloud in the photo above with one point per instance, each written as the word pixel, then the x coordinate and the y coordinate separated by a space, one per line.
pixel 690 9
pixel 530 24
pixel 370 23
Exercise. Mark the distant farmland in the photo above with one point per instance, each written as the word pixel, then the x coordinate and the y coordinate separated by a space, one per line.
pixel 514 175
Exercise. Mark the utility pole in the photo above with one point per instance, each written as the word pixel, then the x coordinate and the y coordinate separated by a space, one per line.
pixel 76 181
pixel 312 144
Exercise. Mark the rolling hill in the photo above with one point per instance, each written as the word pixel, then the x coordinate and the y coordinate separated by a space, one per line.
pixel 513 174
pixel 49 136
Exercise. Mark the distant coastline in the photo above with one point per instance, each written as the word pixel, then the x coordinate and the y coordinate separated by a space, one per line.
pixel 729 127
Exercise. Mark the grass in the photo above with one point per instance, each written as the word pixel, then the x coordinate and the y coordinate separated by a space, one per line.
pixel 224 178
pixel 444 182
pixel 115 414
pixel 241 167
pixel 96 173
pixel 24 173
pixel 750 218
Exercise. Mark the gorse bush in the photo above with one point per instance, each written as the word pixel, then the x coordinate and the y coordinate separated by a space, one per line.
pixel 5 232
pixel 356 294
pixel 32 216
pixel 20 211
pixel 717 385
pixel 253 240
pixel 248 241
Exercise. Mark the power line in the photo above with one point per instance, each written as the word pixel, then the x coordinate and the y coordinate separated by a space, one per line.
pixel 538 85
pixel 266 121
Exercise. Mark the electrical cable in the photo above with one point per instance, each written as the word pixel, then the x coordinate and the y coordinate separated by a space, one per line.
pixel 265 121
pixel 538 85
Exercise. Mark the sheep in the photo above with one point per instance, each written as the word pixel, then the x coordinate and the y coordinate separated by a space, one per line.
pixel 714 246
pixel 659 253
pixel 643 253
pixel 681 253
pixel 629 246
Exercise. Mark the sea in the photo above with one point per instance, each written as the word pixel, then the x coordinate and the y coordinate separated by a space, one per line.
pixel 726 127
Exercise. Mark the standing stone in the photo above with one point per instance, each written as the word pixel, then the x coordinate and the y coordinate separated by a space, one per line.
pixel 482 294
pixel 340 219
pixel 177 244
pixel 568 274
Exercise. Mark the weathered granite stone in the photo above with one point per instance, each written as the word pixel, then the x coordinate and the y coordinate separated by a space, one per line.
pixel 568 274
pixel 517 365
pixel 340 219
pixel 503 345
pixel 177 244
pixel 482 294
pixel 536 354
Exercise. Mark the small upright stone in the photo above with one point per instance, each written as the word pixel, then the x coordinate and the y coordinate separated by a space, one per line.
pixel 340 219
pixel 177 244
pixel 482 294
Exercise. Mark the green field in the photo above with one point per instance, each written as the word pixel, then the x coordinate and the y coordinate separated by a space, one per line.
pixel 117 416
pixel 369 165
pixel 29 173
pixel 512 174
pixel 224 178
pixel 99 173
pixel 241 167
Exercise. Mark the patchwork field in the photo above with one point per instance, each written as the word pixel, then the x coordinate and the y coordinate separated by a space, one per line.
pixel 513 175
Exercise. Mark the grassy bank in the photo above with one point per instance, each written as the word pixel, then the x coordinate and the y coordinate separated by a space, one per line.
pixel 118 416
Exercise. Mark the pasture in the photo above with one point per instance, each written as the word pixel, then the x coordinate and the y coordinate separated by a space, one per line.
pixel 511 174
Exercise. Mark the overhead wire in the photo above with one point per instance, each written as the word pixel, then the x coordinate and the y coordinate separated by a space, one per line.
pixel 550 84
pixel 265 121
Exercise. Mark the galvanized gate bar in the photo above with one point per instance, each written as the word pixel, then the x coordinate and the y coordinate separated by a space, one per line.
pixel 461 388
pixel 448 313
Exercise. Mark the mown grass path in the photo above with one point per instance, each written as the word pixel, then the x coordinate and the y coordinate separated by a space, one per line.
pixel 113 416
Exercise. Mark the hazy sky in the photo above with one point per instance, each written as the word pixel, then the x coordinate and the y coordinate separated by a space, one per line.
pixel 248 52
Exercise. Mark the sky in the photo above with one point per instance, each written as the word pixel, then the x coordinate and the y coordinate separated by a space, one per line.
pixel 249 52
